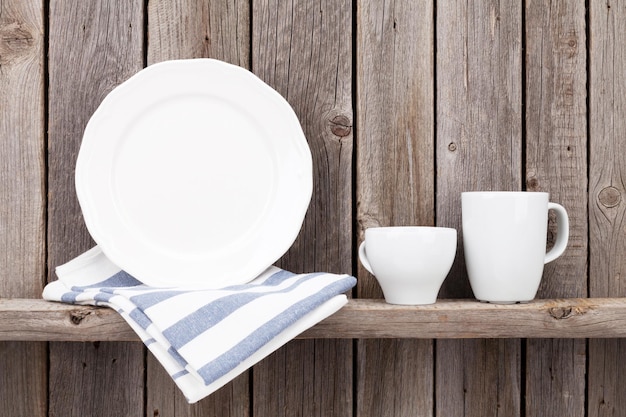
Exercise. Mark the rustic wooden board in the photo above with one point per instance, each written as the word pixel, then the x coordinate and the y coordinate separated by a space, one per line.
pixel 38 320
pixel 607 208
pixel 23 381
pixel 395 182
pixel 186 29
pixel 556 162
pixel 164 399
pixel 182 30
pixel 479 140
pixel 93 47
pixel 303 50
pixel 306 51
pixel 100 379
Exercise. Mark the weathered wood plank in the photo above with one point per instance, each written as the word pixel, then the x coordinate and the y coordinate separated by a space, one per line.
pixel 303 50
pixel 23 366
pixel 197 29
pixel 579 318
pixel 454 319
pixel 556 162
pixel 40 320
pixel 395 182
pixel 606 378
pixel 22 146
pixel 100 379
pixel 607 207
pixel 479 139
pixel 164 399
pixel 93 47
pixel 556 132
pixel 23 378
pixel 186 29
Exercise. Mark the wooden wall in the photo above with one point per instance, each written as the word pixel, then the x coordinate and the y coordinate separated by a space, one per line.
pixel 405 104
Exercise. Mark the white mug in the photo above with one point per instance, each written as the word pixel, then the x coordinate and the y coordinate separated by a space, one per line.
pixel 504 239
pixel 409 262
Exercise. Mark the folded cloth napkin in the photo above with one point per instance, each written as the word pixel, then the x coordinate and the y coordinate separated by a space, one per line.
pixel 205 338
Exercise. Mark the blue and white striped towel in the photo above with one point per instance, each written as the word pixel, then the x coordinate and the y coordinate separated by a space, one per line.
pixel 205 338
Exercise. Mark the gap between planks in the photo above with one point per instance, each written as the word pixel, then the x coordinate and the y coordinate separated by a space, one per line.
pixel 39 320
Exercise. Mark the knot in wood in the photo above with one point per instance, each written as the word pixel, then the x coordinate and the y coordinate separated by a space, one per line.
pixel 560 313
pixel 15 40
pixel 532 184
pixel 367 220
pixel 77 316
pixel 569 43
pixel 565 312
pixel 340 125
pixel 610 197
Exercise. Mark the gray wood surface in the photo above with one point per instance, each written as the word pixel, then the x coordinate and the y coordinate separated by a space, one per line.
pixel 395 183
pixel 164 399
pixel 93 47
pixel 183 30
pixel 23 381
pixel 479 147
pixel 303 50
pixel 556 162
pixel 607 243
pixel 448 96
pixel 575 318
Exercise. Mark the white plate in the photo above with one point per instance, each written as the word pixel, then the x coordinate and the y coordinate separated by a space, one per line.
pixel 194 173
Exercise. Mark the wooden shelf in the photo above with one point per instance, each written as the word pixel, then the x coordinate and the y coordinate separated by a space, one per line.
pixel 39 320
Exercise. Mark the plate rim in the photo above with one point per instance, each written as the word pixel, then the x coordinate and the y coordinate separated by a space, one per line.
pixel 148 273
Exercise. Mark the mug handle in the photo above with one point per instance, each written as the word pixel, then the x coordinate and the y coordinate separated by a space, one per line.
pixel 562 232
pixel 363 258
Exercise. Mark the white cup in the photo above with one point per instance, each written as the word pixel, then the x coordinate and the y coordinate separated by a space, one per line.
pixel 504 239
pixel 410 263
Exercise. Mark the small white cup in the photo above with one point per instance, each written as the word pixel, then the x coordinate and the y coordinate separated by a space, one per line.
pixel 504 239
pixel 410 263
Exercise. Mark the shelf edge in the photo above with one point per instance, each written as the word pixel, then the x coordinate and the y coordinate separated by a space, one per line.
pixel 40 320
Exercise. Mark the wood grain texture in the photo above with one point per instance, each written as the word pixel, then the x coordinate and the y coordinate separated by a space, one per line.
pixel 99 380
pixel 394 377
pixel 305 378
pixel 606 378
pixel 479 147
pixel 93 47
pixel 576 318
pixel 22 145
pixel 183 30
pixel 607 149
pixel 395 182
pixel 395 147
pixel 481 379
pixel 556 132
pixel 556 162
pixel 164 399
pixel 35 319
pixel 607 208
pixel 454 319
pixel 303 50
pixel 186 29
pixel 458 120
pixel 479 117
pixel 23 381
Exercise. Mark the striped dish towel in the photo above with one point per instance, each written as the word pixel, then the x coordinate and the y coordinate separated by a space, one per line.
pixel 205 338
